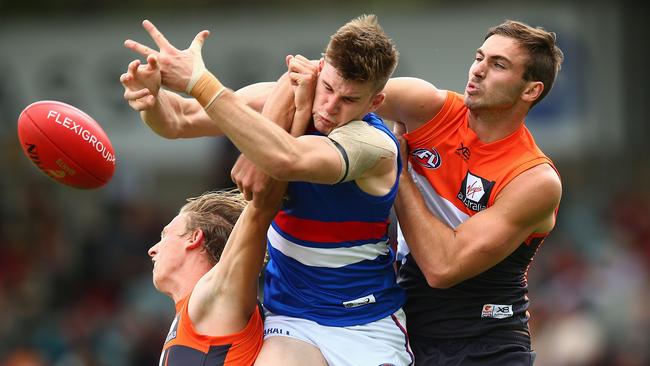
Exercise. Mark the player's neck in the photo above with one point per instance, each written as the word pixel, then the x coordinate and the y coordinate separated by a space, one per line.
pixel 179 290
pixel 185 282
pixel 490 125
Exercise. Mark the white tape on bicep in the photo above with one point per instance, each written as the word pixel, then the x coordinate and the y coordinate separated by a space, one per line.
pixel 361 147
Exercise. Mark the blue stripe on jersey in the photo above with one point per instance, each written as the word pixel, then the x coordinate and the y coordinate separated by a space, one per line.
pixel 343 201
pixel 318 294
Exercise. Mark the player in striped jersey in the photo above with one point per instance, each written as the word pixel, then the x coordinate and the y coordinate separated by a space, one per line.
pixel 478 202
pixel 331 293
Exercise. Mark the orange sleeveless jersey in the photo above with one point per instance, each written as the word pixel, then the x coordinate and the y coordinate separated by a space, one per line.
pixel 185 347
pixel 459 176
pixel 463 171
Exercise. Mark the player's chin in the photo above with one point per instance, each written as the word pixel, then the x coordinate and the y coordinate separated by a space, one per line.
pixel 324 128
pixel 156 283
pixel 471 102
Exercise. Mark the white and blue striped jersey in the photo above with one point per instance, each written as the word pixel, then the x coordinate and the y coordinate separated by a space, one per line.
pixel 330 258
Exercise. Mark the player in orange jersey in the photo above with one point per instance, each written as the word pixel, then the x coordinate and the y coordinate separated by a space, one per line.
pixel 208 262
pixel 479 199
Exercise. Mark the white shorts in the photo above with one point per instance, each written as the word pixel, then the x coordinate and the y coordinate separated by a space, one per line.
pixel 382 342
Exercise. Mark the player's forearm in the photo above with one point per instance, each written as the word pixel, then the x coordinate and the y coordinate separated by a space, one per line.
pixel 174 116
pixel 263 142
pixel 255 95
pixel 257 218
pixel 430 241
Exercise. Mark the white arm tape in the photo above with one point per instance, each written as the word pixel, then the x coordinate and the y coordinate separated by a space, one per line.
pixel 360 146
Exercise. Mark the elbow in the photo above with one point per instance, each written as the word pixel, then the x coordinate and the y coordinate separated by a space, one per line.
pixel 440 278
pixel 169 134
pixel 166 132
pixel 283 167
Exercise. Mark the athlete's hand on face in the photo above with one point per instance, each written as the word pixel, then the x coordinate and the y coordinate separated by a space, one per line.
pixel 180 69
pixel 141 83
pixel 399 129
pixel 251 181
pixel 303 74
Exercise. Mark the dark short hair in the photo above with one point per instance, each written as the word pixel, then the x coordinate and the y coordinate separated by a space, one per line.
pixel 544 56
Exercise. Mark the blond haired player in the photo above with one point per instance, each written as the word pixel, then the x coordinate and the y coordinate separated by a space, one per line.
pixel 208 262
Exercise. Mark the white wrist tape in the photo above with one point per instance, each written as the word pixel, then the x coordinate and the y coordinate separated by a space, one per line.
pixel 198 67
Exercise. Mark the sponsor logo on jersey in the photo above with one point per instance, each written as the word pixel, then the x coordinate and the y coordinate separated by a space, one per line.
pixel 475 192
pixel 463 152
pixel 496 311
pixel 360 301
pixel 428 158
pixel 268 331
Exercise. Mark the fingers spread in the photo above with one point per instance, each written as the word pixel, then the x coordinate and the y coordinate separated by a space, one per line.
pixel 139 48
pixel 133 67
pixel 199 40
pixel 156 35
pixel 152 62
pixel 125 78
pixel 135 94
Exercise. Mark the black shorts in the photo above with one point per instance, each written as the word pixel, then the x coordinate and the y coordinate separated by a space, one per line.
pixel 504 351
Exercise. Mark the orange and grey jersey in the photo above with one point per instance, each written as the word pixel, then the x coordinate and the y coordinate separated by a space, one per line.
pixel 459 176
pixel 185 347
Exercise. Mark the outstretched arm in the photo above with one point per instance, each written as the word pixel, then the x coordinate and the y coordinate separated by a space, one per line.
pixel 173 116
pixel 226 296
pixel 411 101
pixel 250 180
pixel 167 113
pixel 268 146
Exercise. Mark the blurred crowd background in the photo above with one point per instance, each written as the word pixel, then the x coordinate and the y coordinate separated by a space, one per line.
pixel 75 278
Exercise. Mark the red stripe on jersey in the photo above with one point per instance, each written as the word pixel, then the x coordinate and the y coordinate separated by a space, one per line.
pixel 329 232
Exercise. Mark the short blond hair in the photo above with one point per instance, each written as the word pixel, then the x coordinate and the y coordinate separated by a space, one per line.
pixel 361 51
pixel 215 213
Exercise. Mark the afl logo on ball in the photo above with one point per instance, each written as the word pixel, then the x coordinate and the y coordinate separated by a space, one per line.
pixel 428 158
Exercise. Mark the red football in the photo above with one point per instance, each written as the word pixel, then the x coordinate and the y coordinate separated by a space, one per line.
pixel 66 144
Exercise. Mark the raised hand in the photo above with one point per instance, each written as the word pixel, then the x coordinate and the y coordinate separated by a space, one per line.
pixel 179 69
pixel 252 182
pixel 142 84
pixel 303 74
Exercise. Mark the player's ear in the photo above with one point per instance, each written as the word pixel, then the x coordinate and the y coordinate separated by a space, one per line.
pixel 377 101
pixel 532 91
pixel 195 239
